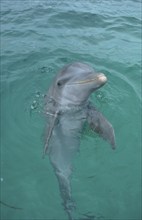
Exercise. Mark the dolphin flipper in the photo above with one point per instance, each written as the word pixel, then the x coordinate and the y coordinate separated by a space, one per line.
pixel 100 125
pixel 49 133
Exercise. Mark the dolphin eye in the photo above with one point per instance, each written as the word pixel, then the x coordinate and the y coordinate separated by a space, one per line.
pixel 62 81
pixel 59 83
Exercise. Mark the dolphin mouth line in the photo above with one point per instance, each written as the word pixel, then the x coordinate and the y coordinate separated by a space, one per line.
pixel 83 81
pixel 101 78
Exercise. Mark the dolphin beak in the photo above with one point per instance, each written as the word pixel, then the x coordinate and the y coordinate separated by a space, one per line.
pixel 102 78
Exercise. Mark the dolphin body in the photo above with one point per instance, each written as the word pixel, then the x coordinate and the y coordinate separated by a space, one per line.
pixel 67 108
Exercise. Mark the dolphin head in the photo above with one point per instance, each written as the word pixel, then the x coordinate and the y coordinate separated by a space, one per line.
pixel 74 84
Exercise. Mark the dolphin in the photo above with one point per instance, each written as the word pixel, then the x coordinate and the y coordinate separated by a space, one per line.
pixel 68 108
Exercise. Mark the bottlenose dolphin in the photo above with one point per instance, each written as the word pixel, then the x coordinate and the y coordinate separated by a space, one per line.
pixel 67 108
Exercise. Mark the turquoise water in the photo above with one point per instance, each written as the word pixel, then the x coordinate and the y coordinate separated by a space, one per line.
pixel 37 39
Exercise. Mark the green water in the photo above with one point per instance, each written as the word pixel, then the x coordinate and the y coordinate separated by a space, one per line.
pixel 37 39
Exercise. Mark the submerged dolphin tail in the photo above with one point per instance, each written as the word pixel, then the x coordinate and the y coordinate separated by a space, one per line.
pixel 65 191
pixel 49 133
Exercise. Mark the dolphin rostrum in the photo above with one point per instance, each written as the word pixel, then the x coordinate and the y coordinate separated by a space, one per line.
pixel 67 108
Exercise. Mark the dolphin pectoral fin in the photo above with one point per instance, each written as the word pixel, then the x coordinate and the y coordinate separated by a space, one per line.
pixel 101 125
pixel 49 133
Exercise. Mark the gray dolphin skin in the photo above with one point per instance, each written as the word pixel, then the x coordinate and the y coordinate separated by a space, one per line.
pixel 67 109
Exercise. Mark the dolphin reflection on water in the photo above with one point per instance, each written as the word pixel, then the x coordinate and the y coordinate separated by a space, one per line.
pixel 67 109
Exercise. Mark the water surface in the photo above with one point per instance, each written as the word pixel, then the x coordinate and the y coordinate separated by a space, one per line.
pixel 37 39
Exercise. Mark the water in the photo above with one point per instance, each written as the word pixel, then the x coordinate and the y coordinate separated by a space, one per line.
pixel 37 39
